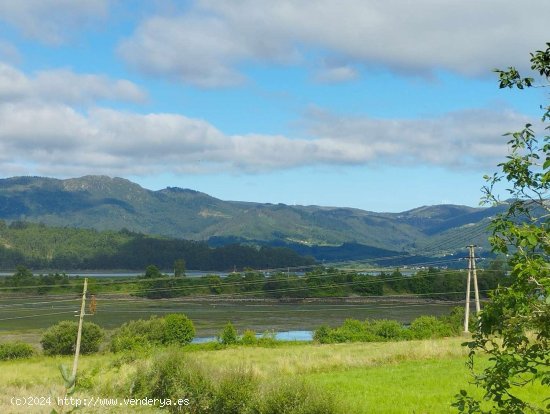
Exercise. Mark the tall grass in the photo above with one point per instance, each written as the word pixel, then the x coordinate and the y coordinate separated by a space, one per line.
pixel 393 377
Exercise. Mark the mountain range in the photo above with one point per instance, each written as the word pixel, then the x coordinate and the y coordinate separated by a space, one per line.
pixel 105 203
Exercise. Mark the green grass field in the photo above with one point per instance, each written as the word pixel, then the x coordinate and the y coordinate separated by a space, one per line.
pixel 391 377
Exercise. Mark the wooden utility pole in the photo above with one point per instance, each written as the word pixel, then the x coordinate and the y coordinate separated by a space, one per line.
pixel 80 322
pixel 471 272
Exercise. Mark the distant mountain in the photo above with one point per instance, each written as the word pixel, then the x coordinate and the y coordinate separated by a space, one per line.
pixel 105 203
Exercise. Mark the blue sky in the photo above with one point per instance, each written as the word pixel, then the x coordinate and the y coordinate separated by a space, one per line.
pixel 383 106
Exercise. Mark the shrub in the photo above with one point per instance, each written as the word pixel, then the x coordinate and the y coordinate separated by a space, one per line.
pixel 297 397
pixel 178 329
pixel 60 339
pixel 425 327
pixel 388 330
pixel 228 335
pixel 172 375
pixel 353 330
pixel 15 350
pixel 268 338
pixel 456 320
pixel 249 338
pixel 235 393
pixel 323 335
pixel 175 328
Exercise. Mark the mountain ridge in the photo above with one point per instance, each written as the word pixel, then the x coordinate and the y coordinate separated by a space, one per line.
pixel 106 203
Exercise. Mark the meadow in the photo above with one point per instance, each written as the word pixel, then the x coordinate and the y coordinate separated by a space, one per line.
pixel 391 377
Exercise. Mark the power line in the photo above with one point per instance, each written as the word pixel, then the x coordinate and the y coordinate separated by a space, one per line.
pixel 304 310
pixel 33 316
pixel 332 264
pixel 142 280
pixel 279 290
pixel 321 277
pixel 37 303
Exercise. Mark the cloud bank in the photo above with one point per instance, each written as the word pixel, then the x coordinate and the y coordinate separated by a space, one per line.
pixel 42 132
pixel 205 45
pixel 52 21
pixel 63 85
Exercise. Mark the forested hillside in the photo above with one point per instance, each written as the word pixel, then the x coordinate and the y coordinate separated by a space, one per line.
pixel 105 203
pixel 40 247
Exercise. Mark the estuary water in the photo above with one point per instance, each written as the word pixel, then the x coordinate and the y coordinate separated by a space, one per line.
pixel 291 320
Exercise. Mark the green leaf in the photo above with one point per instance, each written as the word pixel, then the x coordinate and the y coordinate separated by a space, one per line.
pixel 532 239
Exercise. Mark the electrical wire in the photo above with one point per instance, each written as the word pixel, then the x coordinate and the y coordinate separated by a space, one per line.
pixel 320 277
pixel 34 316
pixel 37 303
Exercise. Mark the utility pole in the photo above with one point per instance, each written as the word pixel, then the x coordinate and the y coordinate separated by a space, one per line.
pixel 471 272
pixel 474 272
pixel 80 322
pixel 467 308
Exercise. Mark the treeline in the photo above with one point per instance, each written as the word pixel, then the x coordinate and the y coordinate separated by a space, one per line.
pixel 323 283
pixel 318 283
pixel 40 247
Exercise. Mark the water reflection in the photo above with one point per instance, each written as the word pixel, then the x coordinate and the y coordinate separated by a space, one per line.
pixel 279 336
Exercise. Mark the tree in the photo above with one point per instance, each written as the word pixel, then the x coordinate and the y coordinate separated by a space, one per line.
pixel 152 272
pixel 514 327
pixel 179 268
pixel 228 335
pixel 179 329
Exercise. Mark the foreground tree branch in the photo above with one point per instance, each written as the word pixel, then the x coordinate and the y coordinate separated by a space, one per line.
pixel 514 328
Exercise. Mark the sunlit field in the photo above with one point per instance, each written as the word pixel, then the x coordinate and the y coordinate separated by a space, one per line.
pixel 392 377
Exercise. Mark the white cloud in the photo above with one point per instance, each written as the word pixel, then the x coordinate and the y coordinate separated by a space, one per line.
pixel 8 52
pixel 63 85
pixel 336 74
pixel 461 139
pixel 54 139
pixel 198 49
pixel 206 45
pixel 52 21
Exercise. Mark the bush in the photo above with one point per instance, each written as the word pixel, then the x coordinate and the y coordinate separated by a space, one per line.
pixel 268 338
pixel 228 335
pixel 388 330
pixel 297 398
pixel 178 329
pixel 352 330
pixel 235 394
pixel 60 339
pixel 426 327
pixel 249 338
pixel 456 320
pixel 15 350
pixel 138 334
pixel 142 334
pixel 173 375
pixel 323 335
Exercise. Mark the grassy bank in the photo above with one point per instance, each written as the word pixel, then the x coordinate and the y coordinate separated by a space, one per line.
pixel 391 377
pixel 399 377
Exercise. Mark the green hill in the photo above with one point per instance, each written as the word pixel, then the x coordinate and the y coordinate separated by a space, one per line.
pixel 103 203
pixel 40 247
